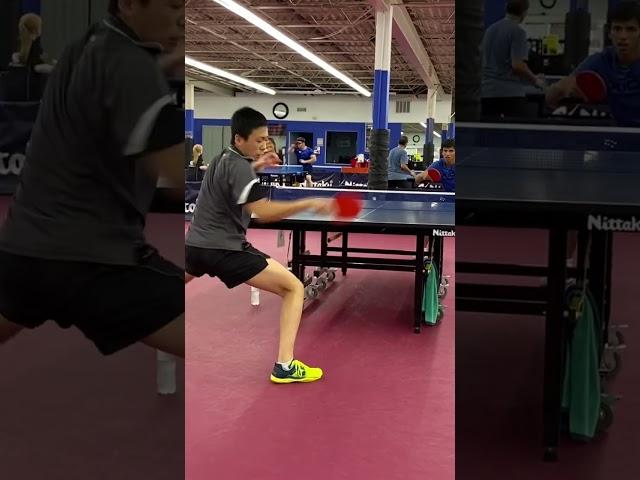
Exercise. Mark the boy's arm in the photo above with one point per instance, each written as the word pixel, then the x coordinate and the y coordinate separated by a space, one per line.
pixel 567 87
pixel 404 164
pixel 271 211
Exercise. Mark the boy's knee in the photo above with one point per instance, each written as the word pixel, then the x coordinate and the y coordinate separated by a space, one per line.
pixel 295 286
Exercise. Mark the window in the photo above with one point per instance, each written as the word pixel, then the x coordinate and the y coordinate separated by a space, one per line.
pixel 341 147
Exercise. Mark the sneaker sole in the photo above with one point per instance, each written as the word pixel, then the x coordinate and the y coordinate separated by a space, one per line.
pixel 294 380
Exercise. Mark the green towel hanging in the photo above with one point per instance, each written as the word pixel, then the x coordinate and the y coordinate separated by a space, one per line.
pixel 430 299
pixel 582 389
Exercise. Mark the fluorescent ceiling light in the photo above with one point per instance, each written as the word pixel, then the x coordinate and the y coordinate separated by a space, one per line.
pixel 249 16
pixel 230 76
pixel 424 125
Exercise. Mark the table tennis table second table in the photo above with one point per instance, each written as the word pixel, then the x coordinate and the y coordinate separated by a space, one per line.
pixel 428 216
pixel 287 175
pixel 592 191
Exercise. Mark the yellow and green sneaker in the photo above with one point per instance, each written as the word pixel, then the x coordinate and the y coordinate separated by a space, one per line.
pixel 299 372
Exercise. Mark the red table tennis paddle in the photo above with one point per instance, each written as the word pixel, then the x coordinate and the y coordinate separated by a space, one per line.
pixel 349 205
pixel 434 175
pixel 592 85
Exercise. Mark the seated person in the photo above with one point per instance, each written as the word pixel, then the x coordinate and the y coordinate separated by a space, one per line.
pixel 618 65
pixel 446 166
pixel 271 147
pixel 197 160
pixel 30 53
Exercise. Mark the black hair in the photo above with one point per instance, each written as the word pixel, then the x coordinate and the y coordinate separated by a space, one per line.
pixel 114 9
pixel 517 7
pixel 403 140
pixel 449 143
pixel 245 121
pixel 624 12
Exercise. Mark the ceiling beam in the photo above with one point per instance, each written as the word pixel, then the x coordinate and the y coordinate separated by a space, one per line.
pixel 409 43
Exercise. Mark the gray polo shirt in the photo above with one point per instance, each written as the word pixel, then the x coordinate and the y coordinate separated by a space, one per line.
pixel 397 157
pixel 83 194
pixel 220 220
pixel 504 41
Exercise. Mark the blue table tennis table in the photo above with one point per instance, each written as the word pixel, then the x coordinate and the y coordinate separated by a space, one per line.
pixel 427 216
pixel 517 177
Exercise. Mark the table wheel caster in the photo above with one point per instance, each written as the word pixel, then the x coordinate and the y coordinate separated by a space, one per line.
pixel 611 363
pixel 617 339
pixel 605 417
pixel 322 282
pixel 442 291
pixel 331 275
pixel 445 281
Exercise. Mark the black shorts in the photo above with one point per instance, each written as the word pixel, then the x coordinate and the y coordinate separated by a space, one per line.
pixel 231 266
pixel 114 306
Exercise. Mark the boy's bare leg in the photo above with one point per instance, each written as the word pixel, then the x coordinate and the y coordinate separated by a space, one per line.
pixel 8 329
pixel 308 182
pixel 169 339
pixel 277 279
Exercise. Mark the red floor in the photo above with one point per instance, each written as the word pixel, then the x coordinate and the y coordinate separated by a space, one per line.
pixel 67 413
pixel 383 411
pixel 499 369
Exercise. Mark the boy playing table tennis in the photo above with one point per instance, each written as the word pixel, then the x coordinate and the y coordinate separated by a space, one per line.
pixel 216 243
pixel 446 167
pixel 618 66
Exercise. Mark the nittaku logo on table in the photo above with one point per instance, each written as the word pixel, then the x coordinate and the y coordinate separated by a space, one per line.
pixel 444 233
pixel 599 222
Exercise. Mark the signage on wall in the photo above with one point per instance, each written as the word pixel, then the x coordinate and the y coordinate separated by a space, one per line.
pixel 276 130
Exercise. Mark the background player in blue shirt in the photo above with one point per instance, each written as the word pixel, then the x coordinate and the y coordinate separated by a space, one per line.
pixel 446 166
pixel 305 157
pixel 619 67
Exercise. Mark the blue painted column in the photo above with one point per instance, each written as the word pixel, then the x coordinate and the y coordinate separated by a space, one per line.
pixel 380 133
pixel 382 66
pixel 429 145
pixel 31 6
pixel 189 120
pixel 494 10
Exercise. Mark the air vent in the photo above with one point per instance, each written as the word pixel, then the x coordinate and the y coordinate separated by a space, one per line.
pixel 403 106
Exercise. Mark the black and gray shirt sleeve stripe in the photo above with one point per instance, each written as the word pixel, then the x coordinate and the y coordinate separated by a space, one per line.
pixel 244 185
pixel 143 114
